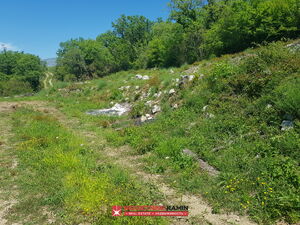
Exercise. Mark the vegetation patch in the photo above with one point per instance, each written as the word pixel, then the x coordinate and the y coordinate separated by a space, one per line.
pixel 60 171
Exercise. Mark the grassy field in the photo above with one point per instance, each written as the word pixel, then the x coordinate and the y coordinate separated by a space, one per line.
pixel 230 115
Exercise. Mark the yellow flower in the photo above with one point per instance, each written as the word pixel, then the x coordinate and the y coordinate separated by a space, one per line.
pixel 262 203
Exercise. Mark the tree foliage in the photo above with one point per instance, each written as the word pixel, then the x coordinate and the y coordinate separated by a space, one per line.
pixel 195 30
pixel 19 72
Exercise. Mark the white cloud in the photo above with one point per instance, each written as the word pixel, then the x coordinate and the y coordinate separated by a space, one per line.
pixel 8 46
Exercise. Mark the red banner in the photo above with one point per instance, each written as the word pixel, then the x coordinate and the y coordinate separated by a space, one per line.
pixel 157 213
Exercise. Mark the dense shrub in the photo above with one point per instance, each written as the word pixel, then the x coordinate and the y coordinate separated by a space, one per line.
pixel 24 71
pixel 14 87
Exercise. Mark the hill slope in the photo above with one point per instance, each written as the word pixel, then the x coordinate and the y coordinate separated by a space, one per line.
pixel 227 129
pixel 239 113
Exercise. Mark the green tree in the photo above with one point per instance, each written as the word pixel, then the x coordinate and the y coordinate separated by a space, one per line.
pixel 184 12
pixel 72 62
pixel 165 49
pixel 20 72
pixel 118 48
pixel 134 29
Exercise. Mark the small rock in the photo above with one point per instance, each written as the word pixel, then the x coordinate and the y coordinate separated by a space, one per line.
pixel 269 106
pixel 287 125
pixel 149 103
pixel 172 91
pixel 116 110
pixel 175 106
pixel 201 76
pixel 137 87
pixel 157 95
pixel 210 115
pixel 138 76
pixel 204 108
pixel 294 47
pixel 146 77
pixel 156 109
pixel 191 77
pixel 143 119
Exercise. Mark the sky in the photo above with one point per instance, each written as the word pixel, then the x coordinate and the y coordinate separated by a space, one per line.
pixel 38 26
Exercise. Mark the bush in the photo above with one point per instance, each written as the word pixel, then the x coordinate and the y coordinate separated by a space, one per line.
pixel 14 87
pixel 101 84
pixel 288 97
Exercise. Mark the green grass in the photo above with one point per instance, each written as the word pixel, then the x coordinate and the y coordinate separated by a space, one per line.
pixel 248 96
pixel 59 170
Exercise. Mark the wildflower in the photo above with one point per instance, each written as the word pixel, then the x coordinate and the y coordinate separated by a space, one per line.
pixel 262 203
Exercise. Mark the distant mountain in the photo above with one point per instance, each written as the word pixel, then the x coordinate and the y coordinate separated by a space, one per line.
pixel 50 62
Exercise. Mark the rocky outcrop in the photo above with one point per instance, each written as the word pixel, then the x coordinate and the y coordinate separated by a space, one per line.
pixel 116 110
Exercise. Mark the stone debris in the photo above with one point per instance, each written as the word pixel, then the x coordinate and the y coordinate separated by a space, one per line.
pixel 149 103
pixel 287 125
pixel 192 70
pixel 204 108
pixel 203 165
pixel 141 77
pixel 209 115
pixel 116 110
pixel 175 106
pixel 294 47
pixel 124 88
pixel 157 95
pixel 269 106
pixel 172 91
pixel 156 109
pixel 138 76
pixel 146 118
